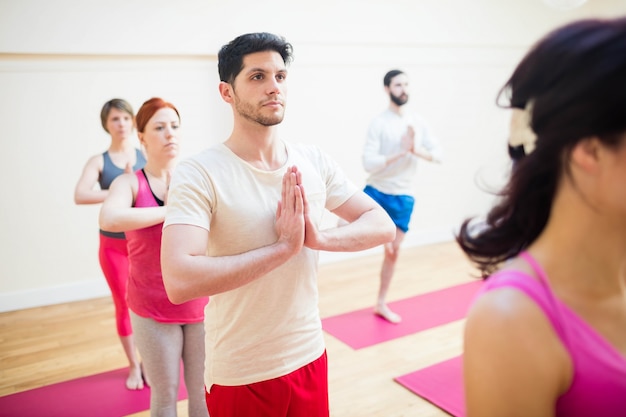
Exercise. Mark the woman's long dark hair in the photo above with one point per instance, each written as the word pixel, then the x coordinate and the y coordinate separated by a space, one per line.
pixel 575 78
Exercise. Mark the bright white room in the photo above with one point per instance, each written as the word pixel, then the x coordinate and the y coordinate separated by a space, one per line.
pixel 61 60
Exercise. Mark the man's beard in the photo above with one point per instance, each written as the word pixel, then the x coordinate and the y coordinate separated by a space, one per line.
pixel 399 101
pixel 247 111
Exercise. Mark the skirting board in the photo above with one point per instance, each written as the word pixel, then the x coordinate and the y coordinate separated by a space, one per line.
pixel 97 287
pixel 58 294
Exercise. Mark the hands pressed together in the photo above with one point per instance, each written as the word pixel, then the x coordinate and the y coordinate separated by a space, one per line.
pixel 293 224
pixel 408 145
pixel 408 140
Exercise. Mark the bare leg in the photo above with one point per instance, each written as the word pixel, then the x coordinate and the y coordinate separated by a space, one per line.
pixel 392 250
pixel 135 379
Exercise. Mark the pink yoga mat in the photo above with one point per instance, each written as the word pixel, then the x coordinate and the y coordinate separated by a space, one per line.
pixel 441 384
pixel 101 395
pixel 362 328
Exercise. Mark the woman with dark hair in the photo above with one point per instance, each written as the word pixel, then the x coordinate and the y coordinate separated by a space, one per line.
pixel 547 335
pixel 166 333
pixel 118 120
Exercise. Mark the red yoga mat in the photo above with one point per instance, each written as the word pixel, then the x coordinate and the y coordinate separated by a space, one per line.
pixel 100 395
pixel 440 384
pixel 363 328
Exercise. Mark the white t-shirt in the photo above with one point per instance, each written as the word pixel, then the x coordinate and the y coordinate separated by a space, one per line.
pixel 384 137
pixel 271 326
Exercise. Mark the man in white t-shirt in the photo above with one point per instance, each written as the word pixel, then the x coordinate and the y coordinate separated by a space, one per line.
pixel 396 139
pixel 242 227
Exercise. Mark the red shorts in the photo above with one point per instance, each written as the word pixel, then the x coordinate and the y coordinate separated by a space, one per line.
pixel 302 393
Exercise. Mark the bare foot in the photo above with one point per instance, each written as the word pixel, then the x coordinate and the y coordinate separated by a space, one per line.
pixel 384 312
pixel 135 378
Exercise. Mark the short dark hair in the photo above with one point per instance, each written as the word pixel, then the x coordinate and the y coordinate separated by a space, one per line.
pixel 115 103
pixel 230 56
pixel 390 75
pixel 575 78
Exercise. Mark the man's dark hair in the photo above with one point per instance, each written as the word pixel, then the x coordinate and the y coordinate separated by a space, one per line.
pixel 389 76
pixel 230 56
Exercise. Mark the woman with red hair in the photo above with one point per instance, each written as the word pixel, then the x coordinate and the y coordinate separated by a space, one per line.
pixel 165 332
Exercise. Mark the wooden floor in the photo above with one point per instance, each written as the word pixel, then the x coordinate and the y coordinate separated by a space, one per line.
pixel 45 345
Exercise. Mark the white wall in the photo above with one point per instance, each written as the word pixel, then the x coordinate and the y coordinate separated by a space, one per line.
pixel 60 60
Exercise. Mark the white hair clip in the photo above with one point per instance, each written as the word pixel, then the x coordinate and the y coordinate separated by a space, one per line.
pixel 521 137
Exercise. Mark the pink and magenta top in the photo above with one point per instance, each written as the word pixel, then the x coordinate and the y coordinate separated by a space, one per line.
pixel 599 382
pixel 146 291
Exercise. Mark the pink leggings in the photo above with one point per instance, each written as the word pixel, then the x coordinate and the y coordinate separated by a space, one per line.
pixel 113 256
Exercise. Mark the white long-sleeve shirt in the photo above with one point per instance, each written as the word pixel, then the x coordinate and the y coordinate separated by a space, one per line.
pixel 384 138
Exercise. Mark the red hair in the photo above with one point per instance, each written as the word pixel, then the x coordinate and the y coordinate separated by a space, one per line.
pixel 148 109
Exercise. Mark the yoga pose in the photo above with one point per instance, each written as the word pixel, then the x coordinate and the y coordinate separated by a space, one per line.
pixel 396 140
pixel 118 120
pixel 546 337
pixel 166 333
pixel 242 226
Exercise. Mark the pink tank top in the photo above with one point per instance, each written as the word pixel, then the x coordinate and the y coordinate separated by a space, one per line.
pixel 146 292
pixel 599 381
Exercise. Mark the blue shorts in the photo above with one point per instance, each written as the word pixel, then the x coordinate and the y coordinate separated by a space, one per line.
pixel 399 207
